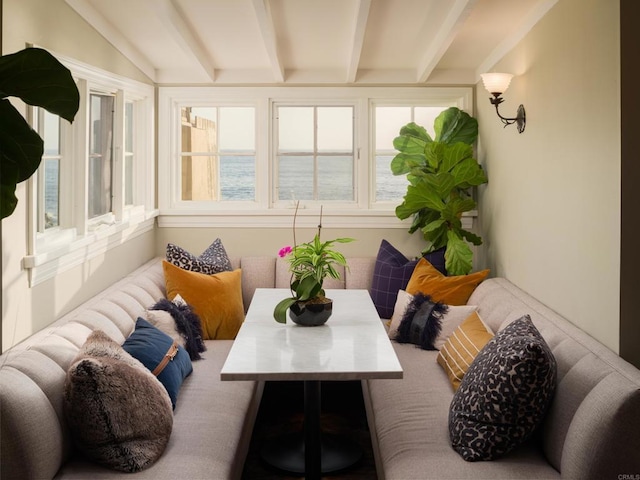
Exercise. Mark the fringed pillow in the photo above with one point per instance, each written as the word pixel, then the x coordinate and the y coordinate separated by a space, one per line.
pixel 422 322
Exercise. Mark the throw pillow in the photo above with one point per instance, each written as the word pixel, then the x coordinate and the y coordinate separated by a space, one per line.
pixel 462 346
pixel 402 302
pixel 504 395
pixel 177 319
pixel 420 323
pixel 216 299
pixel 392 272
pixel 150 346
pixel 456 314
pixel 213 260
pixel 454 290
pixel 118 413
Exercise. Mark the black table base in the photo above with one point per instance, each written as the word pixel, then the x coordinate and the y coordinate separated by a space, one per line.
pixel 312 453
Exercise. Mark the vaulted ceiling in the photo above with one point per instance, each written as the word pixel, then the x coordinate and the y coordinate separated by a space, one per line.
pixel 209 42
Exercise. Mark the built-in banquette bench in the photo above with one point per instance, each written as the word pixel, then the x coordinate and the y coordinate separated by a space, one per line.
pixel 591 431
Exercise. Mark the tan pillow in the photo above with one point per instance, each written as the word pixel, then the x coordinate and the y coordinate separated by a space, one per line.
pixel 458 352
pixel 216 299
pixel 454 290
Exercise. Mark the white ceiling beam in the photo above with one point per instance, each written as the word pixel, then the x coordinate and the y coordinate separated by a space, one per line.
pixel 113 36
pixel 360 27
pixel 506 45
pixel 443 38
pixel 183 34
pixel 267 30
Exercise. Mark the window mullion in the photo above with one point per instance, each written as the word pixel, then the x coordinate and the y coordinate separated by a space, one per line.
pixel 81 159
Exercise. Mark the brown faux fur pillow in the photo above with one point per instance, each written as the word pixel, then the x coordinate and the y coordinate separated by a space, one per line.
pixel 119 414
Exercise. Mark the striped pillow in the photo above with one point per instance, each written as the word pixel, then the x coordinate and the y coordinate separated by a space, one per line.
pixel 461 348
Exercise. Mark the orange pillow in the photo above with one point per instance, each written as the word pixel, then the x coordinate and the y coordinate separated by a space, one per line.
pixel 454 290
pixel 216 299
pixel 462 346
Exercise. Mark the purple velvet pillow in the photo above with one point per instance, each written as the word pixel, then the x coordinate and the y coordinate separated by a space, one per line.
pixel 392 272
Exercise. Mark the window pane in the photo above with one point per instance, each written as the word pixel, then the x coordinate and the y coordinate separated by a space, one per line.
pixel 128 127
pixel 199 177
pixel 388 186
pixel 237 177
pixel 199 130
pixel 100 158
pixel 128 180
pixel 335 178
pixel 51 134
pixel 51 193
pixel 335 129
pixel 295 178
pixel 295 132
pixel 237 129
pixel 425 116
pixel 389 120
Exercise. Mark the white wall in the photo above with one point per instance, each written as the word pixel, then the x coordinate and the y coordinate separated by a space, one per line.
pixel 52 25
pixel 550 213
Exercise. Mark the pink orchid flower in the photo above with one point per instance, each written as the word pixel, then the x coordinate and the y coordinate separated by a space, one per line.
pixel 284 251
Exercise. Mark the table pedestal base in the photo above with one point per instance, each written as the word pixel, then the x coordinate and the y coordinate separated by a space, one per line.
pixel 287 453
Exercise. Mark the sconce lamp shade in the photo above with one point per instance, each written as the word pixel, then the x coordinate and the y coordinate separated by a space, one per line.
pixel 496 83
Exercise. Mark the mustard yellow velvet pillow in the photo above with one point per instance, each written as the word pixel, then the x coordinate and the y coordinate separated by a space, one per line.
pixel 462 346
pixel 216 299
pixel 454 290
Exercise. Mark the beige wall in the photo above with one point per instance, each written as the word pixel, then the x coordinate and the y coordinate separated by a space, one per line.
pixel 53 25
pixel 550 213
pixel 260 241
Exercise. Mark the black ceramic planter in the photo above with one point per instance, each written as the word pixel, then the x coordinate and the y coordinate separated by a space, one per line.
pixel 311 314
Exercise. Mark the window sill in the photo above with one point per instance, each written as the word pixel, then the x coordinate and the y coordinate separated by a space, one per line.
pixel 284 218
pixel 59 257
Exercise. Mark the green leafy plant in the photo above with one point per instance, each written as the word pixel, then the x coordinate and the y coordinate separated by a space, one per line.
pixel 38 78
pixel 309 263
pixel 441 172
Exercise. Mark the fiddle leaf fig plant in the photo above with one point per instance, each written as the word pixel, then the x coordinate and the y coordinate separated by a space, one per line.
pixel 441 172
pixel 38 78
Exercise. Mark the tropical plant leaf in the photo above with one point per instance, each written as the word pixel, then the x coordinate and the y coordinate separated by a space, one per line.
pixel 403 163
pixel 453 125
pixel 453 155
pixel 468 173
pixel 471 237
pixel 38 78
pixel 416 131
pixel 458 256
pixel 416 199
pixel 280 310
pixel 21 151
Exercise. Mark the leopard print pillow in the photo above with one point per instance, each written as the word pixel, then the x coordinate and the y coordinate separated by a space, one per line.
pixel 504 395
pixel 213 260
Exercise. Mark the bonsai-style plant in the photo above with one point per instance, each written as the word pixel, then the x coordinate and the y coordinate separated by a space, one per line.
pixel 38 78
pixel 442 173
pixel 310 263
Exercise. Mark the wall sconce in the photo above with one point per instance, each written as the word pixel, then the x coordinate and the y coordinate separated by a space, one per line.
pixel 496 84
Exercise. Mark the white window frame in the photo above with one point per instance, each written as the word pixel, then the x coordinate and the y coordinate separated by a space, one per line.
pixel 265 212
pixel 78 238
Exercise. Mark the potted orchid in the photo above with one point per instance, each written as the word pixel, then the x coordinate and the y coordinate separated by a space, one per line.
pixel 310 263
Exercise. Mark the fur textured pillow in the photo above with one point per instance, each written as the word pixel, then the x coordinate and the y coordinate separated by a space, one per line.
pixel 421 322
pixel 119 414
pixel 185 322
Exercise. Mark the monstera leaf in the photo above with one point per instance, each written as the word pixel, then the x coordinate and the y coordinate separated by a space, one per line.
pixel 38 78
pixel 441 173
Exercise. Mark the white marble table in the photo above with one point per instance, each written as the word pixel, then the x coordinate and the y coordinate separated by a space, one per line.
pixel 352 345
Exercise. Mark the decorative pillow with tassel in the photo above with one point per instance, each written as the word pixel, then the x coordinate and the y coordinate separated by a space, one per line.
pixel 422 322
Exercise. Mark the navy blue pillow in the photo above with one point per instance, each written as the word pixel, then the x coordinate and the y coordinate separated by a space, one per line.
pixel 149 345
pixel 392 272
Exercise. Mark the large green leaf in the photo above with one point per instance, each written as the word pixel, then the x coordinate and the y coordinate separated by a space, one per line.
pixel 38 78
pixel 458 256
pixel 416 199
pixel 453 125
pixel 468 173
pixel 403 163
pixel 452 155
pixel 20 154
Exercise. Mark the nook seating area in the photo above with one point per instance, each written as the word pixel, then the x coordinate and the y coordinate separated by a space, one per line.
pixel 591 429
